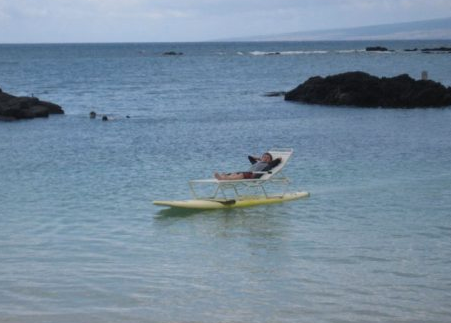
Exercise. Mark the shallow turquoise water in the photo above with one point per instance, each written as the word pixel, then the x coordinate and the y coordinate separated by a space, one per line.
pixel 81 241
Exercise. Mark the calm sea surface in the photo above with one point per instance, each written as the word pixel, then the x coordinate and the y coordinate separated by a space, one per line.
pixel 80 240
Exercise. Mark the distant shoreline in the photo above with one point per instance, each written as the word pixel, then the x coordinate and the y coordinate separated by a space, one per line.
pixel 433 29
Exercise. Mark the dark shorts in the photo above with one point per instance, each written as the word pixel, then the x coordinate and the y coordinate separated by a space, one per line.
pixel 248 175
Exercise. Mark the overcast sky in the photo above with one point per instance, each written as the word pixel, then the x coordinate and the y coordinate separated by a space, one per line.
pixel 37 21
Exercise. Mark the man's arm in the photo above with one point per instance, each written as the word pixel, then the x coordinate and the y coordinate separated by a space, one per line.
pixel 274 163
pixel 253 159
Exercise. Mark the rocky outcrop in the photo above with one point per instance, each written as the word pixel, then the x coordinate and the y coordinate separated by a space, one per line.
pixel 437 50
pixel 364 90
pixel 172 53
pixel 15 108
pixel 376 49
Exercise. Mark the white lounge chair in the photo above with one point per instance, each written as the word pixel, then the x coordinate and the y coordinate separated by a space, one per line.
pixel 274 175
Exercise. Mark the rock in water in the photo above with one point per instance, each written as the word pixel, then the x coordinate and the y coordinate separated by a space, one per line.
pixel 172 53
pixel 437 50
pixel 365 90
pixel 15 108
pixel 376 49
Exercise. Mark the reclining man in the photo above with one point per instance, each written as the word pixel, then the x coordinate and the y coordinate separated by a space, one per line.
pixel 262 164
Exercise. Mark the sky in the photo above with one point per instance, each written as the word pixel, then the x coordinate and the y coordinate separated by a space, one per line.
pixel 69 21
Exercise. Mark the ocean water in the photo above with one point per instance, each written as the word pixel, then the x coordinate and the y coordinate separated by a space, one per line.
pixel 81 241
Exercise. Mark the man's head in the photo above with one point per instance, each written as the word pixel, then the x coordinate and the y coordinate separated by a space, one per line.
pixel 266 157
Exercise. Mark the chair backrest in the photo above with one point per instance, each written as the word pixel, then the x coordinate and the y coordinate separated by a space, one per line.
pixel 285 154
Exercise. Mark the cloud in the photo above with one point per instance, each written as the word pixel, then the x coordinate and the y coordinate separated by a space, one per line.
pixel 148 20
pixel 88 8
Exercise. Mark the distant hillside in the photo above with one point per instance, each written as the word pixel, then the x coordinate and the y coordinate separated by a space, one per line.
pixel 418 30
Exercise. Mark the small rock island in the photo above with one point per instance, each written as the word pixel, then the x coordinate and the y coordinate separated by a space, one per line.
pixel 172 53
pixel 364 90
pixel 15 108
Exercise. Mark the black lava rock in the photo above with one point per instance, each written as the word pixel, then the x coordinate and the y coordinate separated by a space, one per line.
pixel 376 49
pixel 437 50
pixel 15 108
pixel 364 90
pixel 172 53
